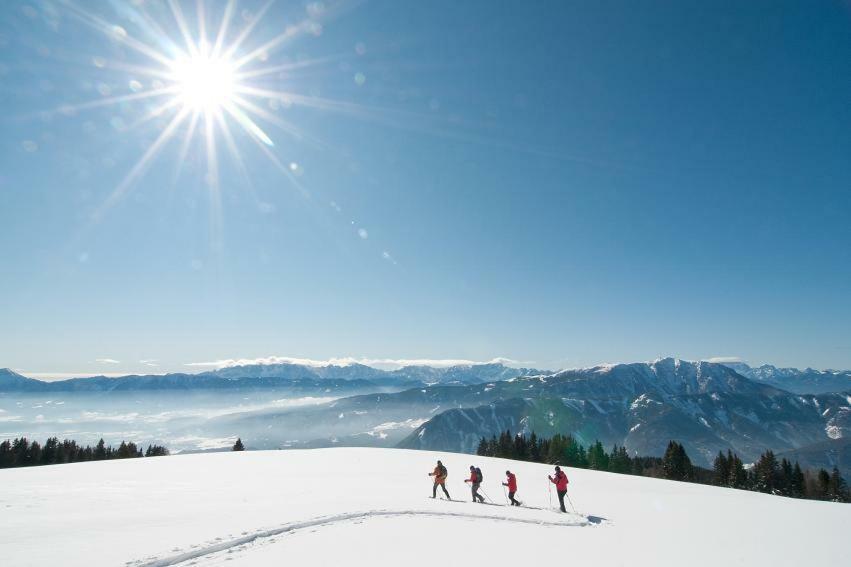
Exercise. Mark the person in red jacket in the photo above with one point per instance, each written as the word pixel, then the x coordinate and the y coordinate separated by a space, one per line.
pixel 475 481
pixel 512 487
pixel 560 480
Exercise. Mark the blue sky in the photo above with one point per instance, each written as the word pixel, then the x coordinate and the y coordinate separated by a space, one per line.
pixel 559 183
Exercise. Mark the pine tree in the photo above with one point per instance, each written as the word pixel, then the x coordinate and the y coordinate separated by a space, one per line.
pixel 238 446
pixel 597 457
pixel 675 464
pixel 738 474
pixel 785 481
pixel 823 485
pixel 796 486
pixel 620 461
pixel 767 473
pixel 20 451
pixel 7 458
pixel 534 449
pixel 837 489
pixel 637 466
pixel 483 448
pixel 100 452
pixel 721 470
pixel 521 448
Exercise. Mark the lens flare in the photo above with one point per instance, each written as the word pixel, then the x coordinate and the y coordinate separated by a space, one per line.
pixel 205 83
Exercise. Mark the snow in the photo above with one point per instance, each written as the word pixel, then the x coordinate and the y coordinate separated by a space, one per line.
pixel 833 431
pixel 358 506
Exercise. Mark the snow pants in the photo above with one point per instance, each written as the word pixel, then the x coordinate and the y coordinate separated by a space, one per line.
pixel 561 494
pixel 475 489
pixel 513 501
pixel 434 490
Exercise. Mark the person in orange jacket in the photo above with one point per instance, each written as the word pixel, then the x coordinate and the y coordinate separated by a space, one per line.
pixel 511 483
pixel 439 473
pixel 560 480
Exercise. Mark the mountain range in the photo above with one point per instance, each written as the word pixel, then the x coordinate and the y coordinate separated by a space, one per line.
pixel 807 381
pixel 273 376
pixel 709 407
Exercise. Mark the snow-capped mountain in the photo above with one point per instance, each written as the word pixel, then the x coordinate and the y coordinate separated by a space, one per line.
pixel 372 507
pixel 185 382
pixel 12 381
pixel 707 406
pixel 274 375
pixel 807 381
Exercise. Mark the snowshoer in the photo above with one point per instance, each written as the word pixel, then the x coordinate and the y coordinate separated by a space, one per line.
pixel 512 487
pixel 560 480
pixel 475 481
pixel 439 473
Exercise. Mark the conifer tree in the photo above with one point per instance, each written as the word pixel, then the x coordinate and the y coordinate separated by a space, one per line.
pixel 100 451
pixel 837 489
pixel 20 450
pixel 796 485
pixel 822 485
pixel 766 473
pixel 675 464
pixel 520 451
pixel 721 470
pixel 238 446
pixel 7 458
pixel 482 450
pixel 534 449
pixel 785 481
pixel 597 457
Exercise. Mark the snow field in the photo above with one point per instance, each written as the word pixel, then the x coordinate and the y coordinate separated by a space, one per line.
pixel 372 506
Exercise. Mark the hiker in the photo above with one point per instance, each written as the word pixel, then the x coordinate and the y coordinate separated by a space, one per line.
pixel 475 481
pixel 560 481
pixel 439 473
pixel 512 487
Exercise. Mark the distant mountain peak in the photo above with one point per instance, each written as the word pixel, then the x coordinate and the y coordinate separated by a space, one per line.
pixel 8 372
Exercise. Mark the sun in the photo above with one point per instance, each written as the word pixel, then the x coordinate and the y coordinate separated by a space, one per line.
pixel 204 83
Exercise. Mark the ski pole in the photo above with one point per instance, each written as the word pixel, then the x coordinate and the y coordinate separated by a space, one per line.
pixel 571 502
pixel 550 487
pixel 505 494
pixel 486 495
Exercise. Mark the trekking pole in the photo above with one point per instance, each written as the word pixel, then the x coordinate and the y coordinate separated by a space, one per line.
pixel 571 503
pixel 486 495
pixel 505 494
pixel 550 487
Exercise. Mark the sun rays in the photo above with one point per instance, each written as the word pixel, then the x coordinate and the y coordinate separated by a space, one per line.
pixel 205 85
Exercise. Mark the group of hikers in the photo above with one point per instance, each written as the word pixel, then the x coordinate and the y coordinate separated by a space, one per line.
pixel 559 479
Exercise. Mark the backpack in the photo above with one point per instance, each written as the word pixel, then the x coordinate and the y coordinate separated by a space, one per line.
pixel 479 476
pixel 442 470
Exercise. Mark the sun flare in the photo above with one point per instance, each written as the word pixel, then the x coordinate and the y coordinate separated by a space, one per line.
pixel 204 83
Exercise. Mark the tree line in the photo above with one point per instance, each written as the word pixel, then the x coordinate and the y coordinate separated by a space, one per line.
pixel 766 475
pixel 20 452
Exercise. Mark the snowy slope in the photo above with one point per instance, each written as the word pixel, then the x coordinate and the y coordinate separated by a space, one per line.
pixel 370 507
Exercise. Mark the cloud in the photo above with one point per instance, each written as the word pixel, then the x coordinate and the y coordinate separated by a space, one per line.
pixel 107 361
pixel 149 362
pixel 382 363
pixel 723 359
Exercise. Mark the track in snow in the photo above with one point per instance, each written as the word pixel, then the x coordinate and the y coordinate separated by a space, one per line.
pixel 329 520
